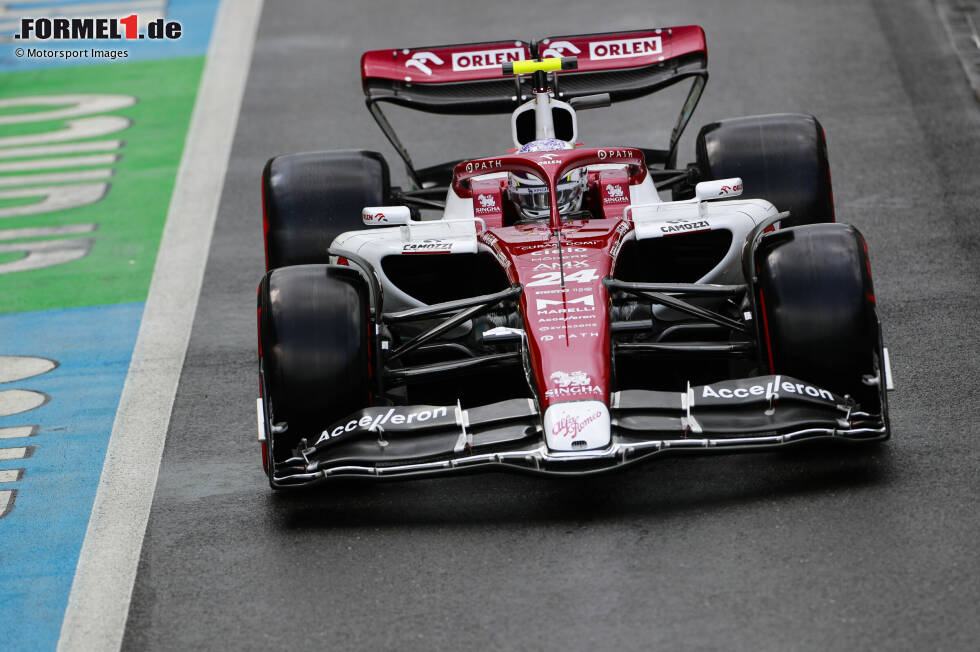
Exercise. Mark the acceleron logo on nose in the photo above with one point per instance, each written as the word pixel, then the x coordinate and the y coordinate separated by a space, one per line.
pixel 97 29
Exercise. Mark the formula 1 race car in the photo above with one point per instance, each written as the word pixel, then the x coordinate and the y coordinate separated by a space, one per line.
pixel 555 315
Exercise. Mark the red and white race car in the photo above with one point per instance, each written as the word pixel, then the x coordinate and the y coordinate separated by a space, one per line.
pixel 556 315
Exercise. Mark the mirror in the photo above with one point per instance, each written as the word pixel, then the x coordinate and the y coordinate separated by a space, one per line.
pixel 386 215
pixel 718 189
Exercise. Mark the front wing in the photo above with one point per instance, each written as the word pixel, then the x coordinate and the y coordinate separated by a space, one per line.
pixel 748 414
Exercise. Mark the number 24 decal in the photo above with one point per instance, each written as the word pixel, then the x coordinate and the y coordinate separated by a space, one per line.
pixel 554 278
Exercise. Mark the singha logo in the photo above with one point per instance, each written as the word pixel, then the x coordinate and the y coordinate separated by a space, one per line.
pixel 574 379
pixel 487 201
pixel 615 192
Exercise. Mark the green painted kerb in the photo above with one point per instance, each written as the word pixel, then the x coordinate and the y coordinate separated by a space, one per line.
pixel 129 218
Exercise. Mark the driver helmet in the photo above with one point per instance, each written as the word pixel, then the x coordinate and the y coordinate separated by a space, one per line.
pixel 531 193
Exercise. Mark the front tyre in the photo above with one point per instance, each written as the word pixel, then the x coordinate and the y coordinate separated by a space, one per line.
pixel 313 350
pixel 815 309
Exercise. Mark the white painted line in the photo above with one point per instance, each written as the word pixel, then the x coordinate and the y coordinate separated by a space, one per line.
pixel 18 453
pixel 78 105
pixel 20 367
pixel 61 162
pixel 99 601
pixel 7 501
pixel 15 401
pixel 16 432
pixel 54 177
pixel 42 232
pixel 11 475
pixel 889 381
pixel 89 127
pixel 68 148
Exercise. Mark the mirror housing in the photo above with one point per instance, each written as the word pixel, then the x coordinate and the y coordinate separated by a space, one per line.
pixel 718 189
pixel 386 215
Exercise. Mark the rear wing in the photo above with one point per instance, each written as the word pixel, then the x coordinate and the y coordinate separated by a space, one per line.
pixel 467 78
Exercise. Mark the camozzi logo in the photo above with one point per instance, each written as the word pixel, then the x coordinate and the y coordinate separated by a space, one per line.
pixel 97 29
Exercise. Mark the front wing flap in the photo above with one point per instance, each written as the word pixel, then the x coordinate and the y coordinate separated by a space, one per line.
pixel 417 440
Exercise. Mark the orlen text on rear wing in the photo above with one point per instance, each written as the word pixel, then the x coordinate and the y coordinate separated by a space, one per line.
pixel 467 79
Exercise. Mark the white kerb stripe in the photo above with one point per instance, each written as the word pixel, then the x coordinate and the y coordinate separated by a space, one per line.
pixel 99 601
pixel 16 432
pixel 11 475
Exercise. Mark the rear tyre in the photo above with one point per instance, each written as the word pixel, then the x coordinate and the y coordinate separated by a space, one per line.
pixel 781 158
pixel 816 308
pixel 309 199
pixel 313 349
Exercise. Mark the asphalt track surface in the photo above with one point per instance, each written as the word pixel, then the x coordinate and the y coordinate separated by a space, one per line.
pixel 819 548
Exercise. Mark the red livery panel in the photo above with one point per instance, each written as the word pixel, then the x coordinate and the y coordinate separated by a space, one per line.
pixel 618 50
pixel 564 302
pixel 550 166
pixel 482 61
pixel 446 63
pixel 560 265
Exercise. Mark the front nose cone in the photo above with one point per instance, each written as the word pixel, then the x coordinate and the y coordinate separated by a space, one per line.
pixel 576 425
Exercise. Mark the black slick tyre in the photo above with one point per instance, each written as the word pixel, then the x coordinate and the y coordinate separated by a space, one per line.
pixel 313 350
pixel 309 199
pixel 815 309
pixel 781 158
